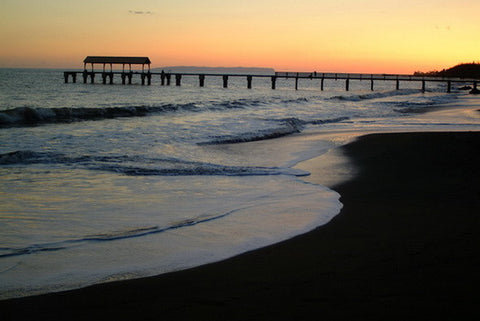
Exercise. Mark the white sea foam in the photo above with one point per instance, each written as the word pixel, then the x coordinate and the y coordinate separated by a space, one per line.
pixel 172 224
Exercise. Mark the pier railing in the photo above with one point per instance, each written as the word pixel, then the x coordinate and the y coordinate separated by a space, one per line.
pixel 166 78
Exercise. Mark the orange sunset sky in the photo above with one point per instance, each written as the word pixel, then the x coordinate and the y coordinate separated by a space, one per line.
pixel 384 36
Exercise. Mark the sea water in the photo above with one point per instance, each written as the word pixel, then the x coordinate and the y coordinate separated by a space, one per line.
pixel 108 182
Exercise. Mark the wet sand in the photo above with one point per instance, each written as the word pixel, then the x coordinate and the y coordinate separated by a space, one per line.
pixel 404 247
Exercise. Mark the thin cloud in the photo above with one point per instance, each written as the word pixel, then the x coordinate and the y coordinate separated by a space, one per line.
pixel 140 12
pixel 443 28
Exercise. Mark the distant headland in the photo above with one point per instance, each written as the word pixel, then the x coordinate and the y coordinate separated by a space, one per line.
pixel 468 70
pixel 219 70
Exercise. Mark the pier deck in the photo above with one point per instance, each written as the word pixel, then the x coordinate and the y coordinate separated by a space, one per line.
pixel 167 77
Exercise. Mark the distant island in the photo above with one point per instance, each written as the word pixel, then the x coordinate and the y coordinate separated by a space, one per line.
pixel 217 70
pixel 470 70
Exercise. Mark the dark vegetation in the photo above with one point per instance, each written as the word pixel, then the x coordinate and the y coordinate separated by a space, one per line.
pixel 466 70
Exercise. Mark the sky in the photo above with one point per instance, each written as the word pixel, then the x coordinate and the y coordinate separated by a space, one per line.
pixel 371 36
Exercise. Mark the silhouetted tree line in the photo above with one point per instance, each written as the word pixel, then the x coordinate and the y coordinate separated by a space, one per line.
pixel 468 70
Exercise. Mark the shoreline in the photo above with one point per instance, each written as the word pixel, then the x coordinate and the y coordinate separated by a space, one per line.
pixel 404 246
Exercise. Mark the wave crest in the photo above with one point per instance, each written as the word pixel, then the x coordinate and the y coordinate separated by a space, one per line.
pixel 288 126
pixel 28 116
pixel 141 166
pixel 374 95
pixel 31 116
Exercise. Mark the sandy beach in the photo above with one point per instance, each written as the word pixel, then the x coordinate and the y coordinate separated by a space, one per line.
pixel 404 247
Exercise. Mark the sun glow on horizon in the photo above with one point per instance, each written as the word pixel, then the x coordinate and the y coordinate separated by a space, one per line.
pixel 329 35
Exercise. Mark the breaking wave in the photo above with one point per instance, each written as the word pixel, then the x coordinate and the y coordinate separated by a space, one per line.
pixel 142 166
pixel 31 116
pixel 288 126
pixel 375 95
pixel 28 116
pixel 427 104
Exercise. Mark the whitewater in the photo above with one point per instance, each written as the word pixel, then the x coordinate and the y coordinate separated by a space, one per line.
pixel 109 182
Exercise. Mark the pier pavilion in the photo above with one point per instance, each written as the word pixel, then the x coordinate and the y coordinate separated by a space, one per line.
pixel 117 61
pixel 106 60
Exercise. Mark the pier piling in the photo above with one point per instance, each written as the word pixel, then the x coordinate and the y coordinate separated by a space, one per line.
pixel 225 81
pixel 86 74
pixel 146 78
pixel 274 82
pixel 178 80
pixel 109 76
pixel 125 76
pixel 249 82
pixel 67 74
pixel 201 79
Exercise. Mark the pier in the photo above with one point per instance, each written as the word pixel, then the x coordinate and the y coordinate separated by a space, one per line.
pixel 146 76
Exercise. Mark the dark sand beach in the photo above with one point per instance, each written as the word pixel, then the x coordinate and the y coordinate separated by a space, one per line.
pixel 404 247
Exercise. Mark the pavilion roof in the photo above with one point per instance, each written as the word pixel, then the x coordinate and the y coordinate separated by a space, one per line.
pixel 116 60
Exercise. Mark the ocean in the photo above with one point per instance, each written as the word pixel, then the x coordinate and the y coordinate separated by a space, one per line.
pixel 109 182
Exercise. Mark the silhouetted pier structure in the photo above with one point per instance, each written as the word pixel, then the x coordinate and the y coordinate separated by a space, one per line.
pixel 108 75
pixel 146 75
